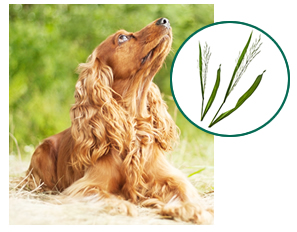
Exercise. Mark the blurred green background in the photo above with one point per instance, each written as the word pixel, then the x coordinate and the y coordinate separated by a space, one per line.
pixel 46 44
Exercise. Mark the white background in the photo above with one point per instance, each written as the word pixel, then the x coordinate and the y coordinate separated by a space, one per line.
pixel 226 41
pixel 255 175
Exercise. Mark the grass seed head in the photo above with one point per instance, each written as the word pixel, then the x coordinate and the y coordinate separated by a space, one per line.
pixel 253 52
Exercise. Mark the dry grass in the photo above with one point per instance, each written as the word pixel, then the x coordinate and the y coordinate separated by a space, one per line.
pixel 32 208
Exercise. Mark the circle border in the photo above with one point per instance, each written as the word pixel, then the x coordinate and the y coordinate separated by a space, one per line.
pixel 234 135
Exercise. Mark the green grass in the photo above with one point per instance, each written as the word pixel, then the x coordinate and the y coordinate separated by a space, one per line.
pixel 47 42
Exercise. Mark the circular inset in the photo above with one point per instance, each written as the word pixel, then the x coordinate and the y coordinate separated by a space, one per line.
pixel 233 76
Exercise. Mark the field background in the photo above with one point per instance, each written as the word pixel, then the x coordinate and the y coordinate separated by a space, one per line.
pixel 46 44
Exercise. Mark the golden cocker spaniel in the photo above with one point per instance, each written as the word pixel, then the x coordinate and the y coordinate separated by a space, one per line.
pixel 120 131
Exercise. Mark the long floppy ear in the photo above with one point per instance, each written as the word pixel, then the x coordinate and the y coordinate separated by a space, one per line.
pixel 99 124
pixel 157 129
pixel 165 130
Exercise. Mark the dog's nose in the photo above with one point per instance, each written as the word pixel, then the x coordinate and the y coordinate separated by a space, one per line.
pixel 164 22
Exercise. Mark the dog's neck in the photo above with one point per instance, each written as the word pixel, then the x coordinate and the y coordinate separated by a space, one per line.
pixel 131 94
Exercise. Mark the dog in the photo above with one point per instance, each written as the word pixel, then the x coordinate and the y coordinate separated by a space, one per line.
pixel 120 131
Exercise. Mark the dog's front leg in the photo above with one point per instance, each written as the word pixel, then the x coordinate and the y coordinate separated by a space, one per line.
pixel 174 195
pixel 102 183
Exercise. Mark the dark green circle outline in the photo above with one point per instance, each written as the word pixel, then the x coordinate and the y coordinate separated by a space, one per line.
pixel 246 133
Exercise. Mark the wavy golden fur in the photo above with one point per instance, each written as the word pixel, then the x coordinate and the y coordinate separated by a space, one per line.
pixel 120 131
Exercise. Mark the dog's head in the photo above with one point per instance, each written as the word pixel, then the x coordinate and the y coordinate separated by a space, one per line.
pixel 127 53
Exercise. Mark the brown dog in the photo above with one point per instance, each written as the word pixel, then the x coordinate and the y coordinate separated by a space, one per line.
pixel 120 131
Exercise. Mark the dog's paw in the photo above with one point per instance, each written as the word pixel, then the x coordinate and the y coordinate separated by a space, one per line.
pixel 117 206
pixel 189 212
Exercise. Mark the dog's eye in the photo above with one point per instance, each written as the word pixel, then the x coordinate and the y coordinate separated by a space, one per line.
pixel 122 38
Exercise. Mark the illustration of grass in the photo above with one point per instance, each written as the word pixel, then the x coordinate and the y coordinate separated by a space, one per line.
pixel 213 94
pixel 243 61
pixel 241 100
pixel 203 69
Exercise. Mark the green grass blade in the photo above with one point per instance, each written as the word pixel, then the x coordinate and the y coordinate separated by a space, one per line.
pixel 200 70
pixel 200 170
pixel 240 59
pixel 238 65
pixel 213 94
pixel 241 100
pixel 201 77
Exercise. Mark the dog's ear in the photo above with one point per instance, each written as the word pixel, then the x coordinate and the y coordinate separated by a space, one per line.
pixel 99 124
pixel 165 130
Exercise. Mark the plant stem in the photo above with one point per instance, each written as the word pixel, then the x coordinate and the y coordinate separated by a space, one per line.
pixel 202 108
pixel 240 59
pixel 213 93
pixel 210 125
pixel 241 100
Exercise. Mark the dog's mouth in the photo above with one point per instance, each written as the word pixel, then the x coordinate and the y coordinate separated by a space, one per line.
pixel 148 56
pixel 151 52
